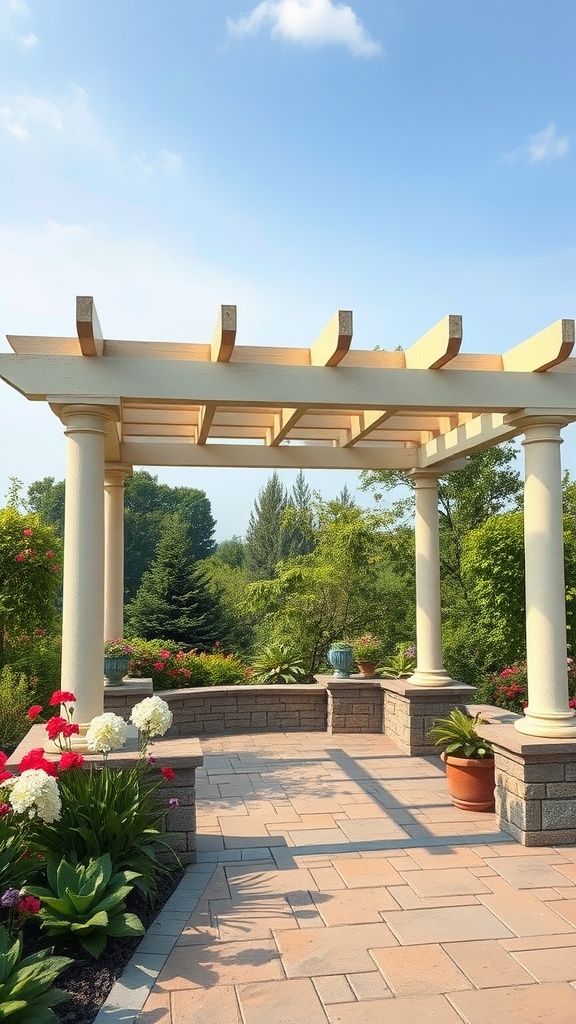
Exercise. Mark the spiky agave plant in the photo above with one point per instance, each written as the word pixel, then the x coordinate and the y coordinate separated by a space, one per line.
pixel 277 663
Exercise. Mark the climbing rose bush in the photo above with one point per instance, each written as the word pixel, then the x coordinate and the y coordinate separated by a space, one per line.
pixel 105 733
pixel 36 794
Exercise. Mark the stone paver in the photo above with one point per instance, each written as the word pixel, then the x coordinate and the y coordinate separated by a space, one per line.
pixel 336 884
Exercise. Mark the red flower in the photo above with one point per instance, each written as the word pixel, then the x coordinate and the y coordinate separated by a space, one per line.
pixel 49 554
pixel 164 654
pixel 3 758
pixel 168 774
pixel 158 665
pixel 34 711
pixel 56 568
pixel 4 810
pixel 27 533
pixel 54 726
pixel 29 905
pixel 35 759
pixel 150 760
pixel 19 558
pixel 62 697
pixel 70 730
pixel 4 776
pixel 70 760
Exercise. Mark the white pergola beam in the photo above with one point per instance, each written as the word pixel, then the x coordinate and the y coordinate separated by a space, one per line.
pixel 483 431
pixel 548 348
pixel 205 418
pixel 283 424
pixel 363 425
pixel 333 344
pixel 157 381
pixel 261 456
pixel 224 336
pixel 437 347
pixel 88 327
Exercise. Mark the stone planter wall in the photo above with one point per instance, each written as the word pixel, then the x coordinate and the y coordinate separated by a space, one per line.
pixel 410 711
pixel 354 705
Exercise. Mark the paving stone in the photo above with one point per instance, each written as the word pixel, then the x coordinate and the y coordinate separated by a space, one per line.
pixel 525 914
pixel 526 872
pixel 334 988
pixel 548 965
pixel 408 1010
pixel 338 950
pixel 286 1002
pixel 419 970
pixel 205 1006
pixel 354 906
pixel 531 1004
pixel 539 942
pixel 445 882
pixel 567 908
pixel 445 857
pixel 368 872
pixel 227 963
pixel 414 927
pixel 156 1010
pixel 369 985
pixel 487 964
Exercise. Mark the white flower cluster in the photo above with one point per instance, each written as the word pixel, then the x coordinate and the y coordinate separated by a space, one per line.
pixel 152 716
pixel 105 733
pixel 36 794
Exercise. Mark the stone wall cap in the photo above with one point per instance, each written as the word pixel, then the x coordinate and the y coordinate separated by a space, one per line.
pixel 406 688
pixel 207 691
pixel 178 753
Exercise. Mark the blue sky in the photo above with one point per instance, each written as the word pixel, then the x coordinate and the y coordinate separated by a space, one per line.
pixel 293 157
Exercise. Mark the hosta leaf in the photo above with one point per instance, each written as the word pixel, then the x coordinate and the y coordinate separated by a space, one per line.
pixel 125 924
pixel 95 943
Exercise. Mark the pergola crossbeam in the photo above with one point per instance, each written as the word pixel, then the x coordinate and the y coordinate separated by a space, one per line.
pixel 88 327
pixel 224 337
pixel 333 344
pixel 437 347
pixel 548 348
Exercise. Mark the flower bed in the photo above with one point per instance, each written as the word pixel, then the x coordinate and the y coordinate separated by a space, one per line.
pixel 172 669
pixel 509 688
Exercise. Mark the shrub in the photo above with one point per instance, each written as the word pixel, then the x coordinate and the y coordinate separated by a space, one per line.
pixel 87 901
pixel 277 663
pixel 16 695
pixel 37 656
pixel 171 668
pixel 509 688
pixel 16 864
pixel 26 992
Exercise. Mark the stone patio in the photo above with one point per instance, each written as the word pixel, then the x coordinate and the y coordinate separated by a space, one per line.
pixel 336 883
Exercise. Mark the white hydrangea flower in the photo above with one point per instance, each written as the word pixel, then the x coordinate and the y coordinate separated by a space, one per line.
pixel 36 794
pixel 105 733
pixel 152 716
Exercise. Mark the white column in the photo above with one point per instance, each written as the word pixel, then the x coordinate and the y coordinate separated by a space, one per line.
pixel 548 713
pixel 430 669
pixel 83 601
pixel 114 476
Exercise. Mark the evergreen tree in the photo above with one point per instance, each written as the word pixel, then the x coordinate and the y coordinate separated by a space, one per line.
pixel 174 600
pixel 345 498
pixel 299 523
pixel 267 540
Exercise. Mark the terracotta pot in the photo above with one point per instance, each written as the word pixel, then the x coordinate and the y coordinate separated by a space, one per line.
pixel 367 668
pixel 470 782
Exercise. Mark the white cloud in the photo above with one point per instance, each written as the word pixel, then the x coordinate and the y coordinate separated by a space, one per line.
pixel 171 163
pixel 13 16
pixel 35 118
pixel 310 22
pixel 546 145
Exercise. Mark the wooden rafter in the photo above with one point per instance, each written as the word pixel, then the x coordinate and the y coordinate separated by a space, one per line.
pixel 332 345
pixel 437 347
pixel 284 421
pixel 88 327
pixel 548 348
pixel 224 336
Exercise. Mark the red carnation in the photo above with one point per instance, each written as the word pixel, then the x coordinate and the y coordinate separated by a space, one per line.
pixel 20 558
pixel 34 711
pixel 29 905
pixel 70 760
pixel 168 774
pixel 35 760
pixel 70 730
pixel 62 697
pixel 4 810
pixel 54 726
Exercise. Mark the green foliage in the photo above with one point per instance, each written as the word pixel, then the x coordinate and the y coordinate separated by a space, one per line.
pixel 37 656
pixel 457 736
pixel 17 866
pixel 267 540
pixel 26 984
pixel 230 553
pixel 47 498
pixel 368 648
pixel 170 669
pixel 30 560
pixel 277 663
pixel 16 696
pixel 343 587
pixel 86 901
pixel 113 812
pixel 174 599
pixel 229 584
pixel 402 663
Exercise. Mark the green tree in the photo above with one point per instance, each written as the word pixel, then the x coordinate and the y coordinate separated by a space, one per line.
pixel 46 498
pixel 267 538
pixel 30 571
pixel 298 519
pixel 341 589
pixel 174 600
pixel 230 552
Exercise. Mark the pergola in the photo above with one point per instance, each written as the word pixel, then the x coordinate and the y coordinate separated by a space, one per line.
pixel 422 411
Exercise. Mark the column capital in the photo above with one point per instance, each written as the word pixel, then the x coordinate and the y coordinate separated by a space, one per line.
pixel 117 472
pixel 87 417
pixel 533 423
pixel 433 473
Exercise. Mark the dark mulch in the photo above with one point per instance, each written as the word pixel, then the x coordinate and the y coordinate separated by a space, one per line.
pixel 88 980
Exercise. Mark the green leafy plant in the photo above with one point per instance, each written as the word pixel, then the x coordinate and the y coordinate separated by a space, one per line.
pixel 457 736
pixel 340 645
pixel 118 649
pixel 368 648
pixel 26 992
pixel 17 866
pixel 16 696
pixel 111 812
pixel 87 901
pixel 277 663
pixel 402 663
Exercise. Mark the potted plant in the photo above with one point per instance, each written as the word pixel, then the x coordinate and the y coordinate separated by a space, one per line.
pixel 117 657
pixel 368 653
pixel 469 760
pixel 402 664
pixel 341 657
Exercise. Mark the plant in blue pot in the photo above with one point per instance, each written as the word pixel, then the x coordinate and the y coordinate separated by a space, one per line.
pixel 117 658
pixel 341 657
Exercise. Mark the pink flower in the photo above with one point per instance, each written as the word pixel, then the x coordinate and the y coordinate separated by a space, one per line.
pixel 70 730
pixel 27 533
pixel 150 760
pixel 54 726
pixel 49 554
pixel 34 711
pixel 168 774
pixel 29 905
pixel 158 665
pixel 4 810
pixel 164 654
pixel 173 803
pixel 35 759
pixel 506 672
pixel 62 697
pixel 20 558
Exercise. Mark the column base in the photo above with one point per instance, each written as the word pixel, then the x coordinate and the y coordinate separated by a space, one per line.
pixel 77 743
pixel 431 677
pixel 553 725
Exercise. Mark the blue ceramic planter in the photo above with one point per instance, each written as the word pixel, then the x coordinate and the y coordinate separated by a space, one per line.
pixel 341 659
pixel 115 669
